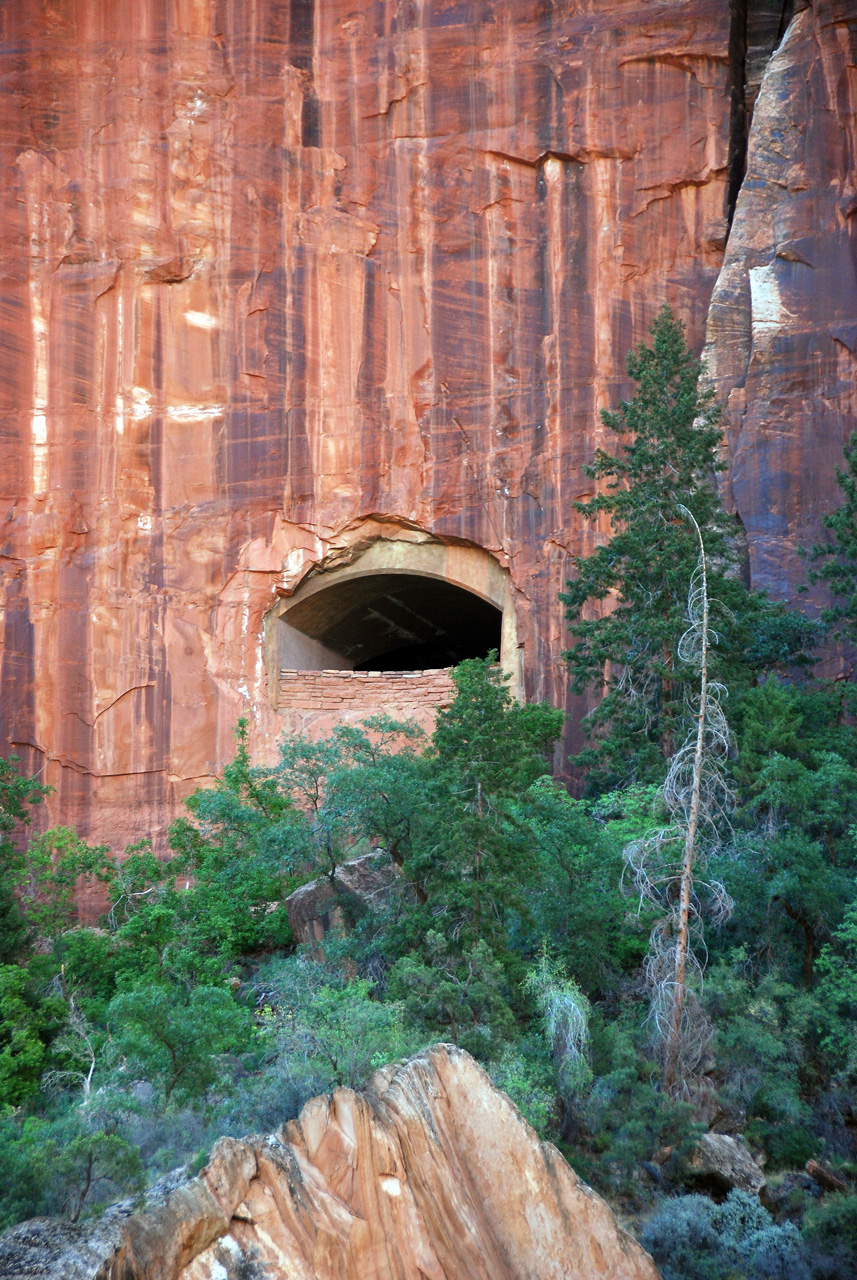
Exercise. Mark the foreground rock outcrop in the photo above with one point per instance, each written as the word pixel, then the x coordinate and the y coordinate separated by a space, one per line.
pixel 430 1173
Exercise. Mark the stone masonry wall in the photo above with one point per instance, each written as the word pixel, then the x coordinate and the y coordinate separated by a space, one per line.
pixel 314 702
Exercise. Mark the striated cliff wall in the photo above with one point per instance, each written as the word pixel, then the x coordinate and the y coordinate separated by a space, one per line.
pixel 782 331
pixel 270 271
pixel 280 278
pixel 429 1172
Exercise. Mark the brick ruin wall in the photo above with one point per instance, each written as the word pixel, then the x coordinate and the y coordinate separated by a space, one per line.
pixel 314 702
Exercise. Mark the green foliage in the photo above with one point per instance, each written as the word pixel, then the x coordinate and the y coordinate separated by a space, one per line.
pixel 830 1231
pixel 762 1027
pixel 17 795
pixel 21 1048
pixel 626 605
pixel 791 863
pixel 626 1119
pixel 576 899
pixel 690 1238
pixel 460 996
pixel 526 1073
pixel 54 864
pixel 471 860
pixel 838 997
pixel 329 1031
pixel 565 1014
pixel 839 554
pixel 234 849
pixel 62 1167
pixel 176 1038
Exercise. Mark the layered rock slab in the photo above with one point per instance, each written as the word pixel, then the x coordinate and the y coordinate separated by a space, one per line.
pixel 430 1173
pixel 781 343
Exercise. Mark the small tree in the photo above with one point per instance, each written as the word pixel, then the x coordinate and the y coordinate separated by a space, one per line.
pixel 17 794
pixel 565 1014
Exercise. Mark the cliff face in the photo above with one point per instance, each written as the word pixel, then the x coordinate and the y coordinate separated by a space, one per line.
pixel 782 330
pixel 429 1172
pixel 278 278
pixel 271 270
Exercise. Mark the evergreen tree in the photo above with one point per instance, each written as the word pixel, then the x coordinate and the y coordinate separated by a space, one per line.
pixel 639 578
pixel 17 793
pixel 839 572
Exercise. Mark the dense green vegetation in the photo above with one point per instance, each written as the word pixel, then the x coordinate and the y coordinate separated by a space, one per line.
pixel 510 925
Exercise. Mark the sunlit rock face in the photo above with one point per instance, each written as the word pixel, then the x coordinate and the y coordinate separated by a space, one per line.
pixel 782 331
pixel 279 278
pixel 429 1172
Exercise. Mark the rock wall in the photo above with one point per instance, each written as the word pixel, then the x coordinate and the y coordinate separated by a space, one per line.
pixel 277 279
pixel 279 276
pixel 315 701
pixel 430 1172
pixel 782 330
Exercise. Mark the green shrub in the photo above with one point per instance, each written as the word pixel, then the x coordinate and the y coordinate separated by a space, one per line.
pixel 62 1166
pixel 691 1238
pixel 830 1232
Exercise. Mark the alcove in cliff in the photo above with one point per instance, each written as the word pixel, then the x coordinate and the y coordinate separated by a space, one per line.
pixel 389 622
pixel 391 607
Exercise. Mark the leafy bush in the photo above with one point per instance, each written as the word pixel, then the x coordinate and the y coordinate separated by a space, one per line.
pixel 455 997
pixel 325 1030
pixel 830 1231
pixel 526 1073
pixel 691 1238
pixel 62 1167
pixel 624 1119
pixel 176 1038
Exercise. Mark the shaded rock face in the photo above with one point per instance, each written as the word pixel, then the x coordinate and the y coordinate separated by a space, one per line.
pixel 276 278
pixel 782 329
pixel 430 1172
pixel 361 885
pixel 720 1163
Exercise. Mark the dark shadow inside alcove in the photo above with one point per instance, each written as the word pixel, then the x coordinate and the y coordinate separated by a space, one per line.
pixel 388 622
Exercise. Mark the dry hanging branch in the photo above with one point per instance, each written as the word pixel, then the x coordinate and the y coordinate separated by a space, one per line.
pixel 666 864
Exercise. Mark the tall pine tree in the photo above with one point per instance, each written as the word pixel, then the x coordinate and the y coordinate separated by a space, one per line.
pixel 626 604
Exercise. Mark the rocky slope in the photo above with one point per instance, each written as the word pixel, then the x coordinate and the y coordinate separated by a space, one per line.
pixel 429 1174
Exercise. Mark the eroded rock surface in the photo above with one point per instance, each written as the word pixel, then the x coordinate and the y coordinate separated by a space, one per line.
pixel 782 330
pixel 429 1174
pixel 722 1163
pixel 277 278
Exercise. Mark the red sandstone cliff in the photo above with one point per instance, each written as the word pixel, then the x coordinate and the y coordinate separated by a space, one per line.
pixel 267 269
pixel 430 1172
pixel 275 277
pixel 782 330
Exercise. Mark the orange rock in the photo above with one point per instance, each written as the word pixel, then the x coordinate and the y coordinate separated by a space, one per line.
pixel 429 1172
pixel 275 279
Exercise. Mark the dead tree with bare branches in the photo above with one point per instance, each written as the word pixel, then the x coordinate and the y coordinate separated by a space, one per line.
pixel 668 865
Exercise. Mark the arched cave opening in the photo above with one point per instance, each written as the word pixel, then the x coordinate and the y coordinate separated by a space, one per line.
pixel 388 622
